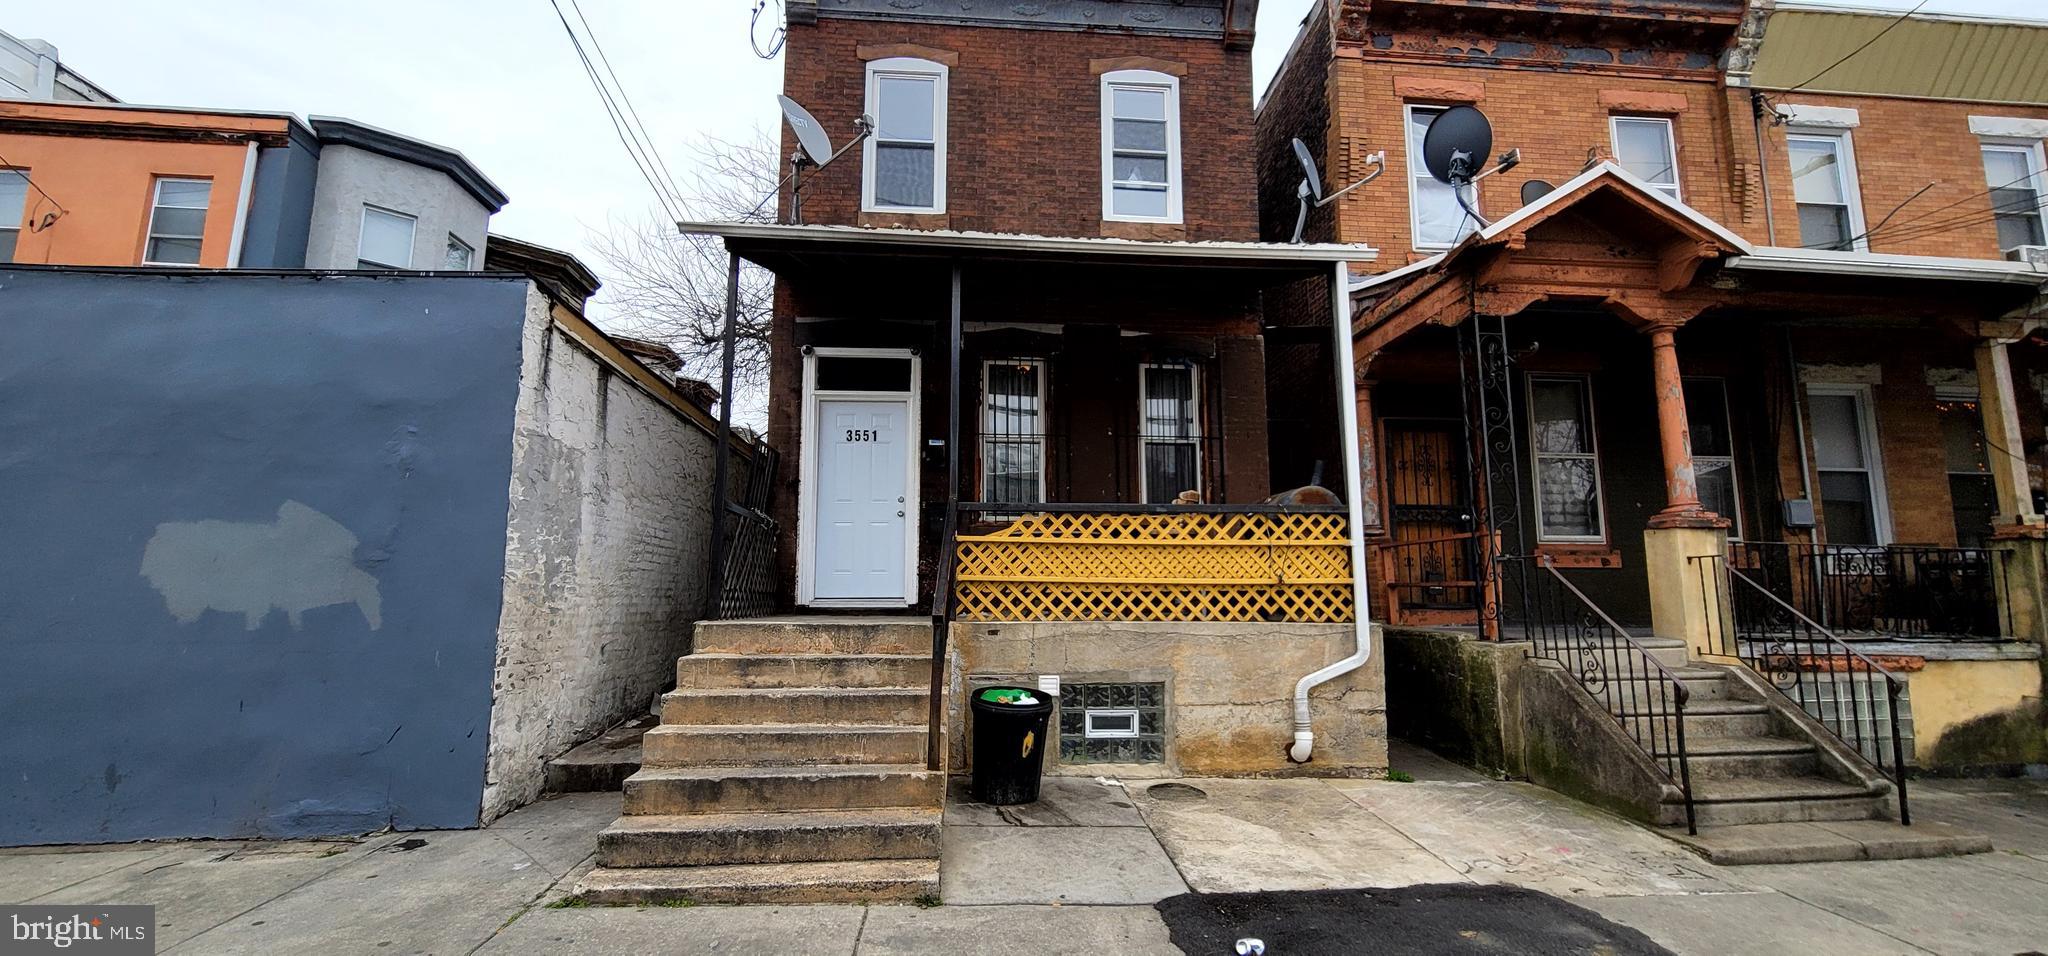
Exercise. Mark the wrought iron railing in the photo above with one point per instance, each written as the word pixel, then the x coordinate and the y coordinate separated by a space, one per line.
pixel 1832 681
pixel 744 580
pixel 942 630
pixel 1136 562
pixel 1647 698
pixel 1893 590
pixel 1429 580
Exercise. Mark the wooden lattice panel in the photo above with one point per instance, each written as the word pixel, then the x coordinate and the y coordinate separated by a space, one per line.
pixel 1157 567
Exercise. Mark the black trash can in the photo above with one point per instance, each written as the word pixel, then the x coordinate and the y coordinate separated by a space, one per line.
pixel 1009 743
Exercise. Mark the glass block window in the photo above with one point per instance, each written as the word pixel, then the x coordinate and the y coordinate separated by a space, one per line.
pixel 1116 744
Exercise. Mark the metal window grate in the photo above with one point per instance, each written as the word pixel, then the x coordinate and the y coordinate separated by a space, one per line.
pixel 1013 431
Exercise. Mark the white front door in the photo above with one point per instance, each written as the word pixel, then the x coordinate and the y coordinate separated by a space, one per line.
pixel 862 487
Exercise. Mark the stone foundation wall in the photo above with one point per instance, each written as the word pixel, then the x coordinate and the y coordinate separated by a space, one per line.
pixel 1229 690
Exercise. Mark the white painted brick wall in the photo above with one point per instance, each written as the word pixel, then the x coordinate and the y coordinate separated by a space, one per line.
pixel 608 535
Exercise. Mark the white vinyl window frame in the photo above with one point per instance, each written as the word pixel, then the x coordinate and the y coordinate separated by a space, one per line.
pixel 1194 435
pixel 363 230
pixel 1591 455
pixel 1844 143
pixel 1727 420
pixel 2037 170
pixel 1865 403
pixel 1418 171
pixel 11 218
pixel 807 481
pixel 988 415
pixel 468 255
pixel 1151 80
pixel 1614 124
pixel 156 193
pixel 939 75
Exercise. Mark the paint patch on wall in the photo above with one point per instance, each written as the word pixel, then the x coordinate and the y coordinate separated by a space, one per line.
pixel 301 561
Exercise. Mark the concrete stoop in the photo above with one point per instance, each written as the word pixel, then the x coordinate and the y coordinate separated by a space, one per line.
pixel 788 768
pixel 602 763
pixel 1829 842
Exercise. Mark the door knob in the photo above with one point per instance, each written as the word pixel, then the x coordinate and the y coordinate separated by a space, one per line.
pixel 899 514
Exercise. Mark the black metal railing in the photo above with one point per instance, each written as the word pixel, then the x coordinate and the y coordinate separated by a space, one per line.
pixel 745 580
pixel 1892 590
pixel 942 629
pixel 1566 627
pixel 1833 682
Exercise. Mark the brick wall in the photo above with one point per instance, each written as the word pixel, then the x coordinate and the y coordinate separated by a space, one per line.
pixel 1297 104
pixel 1024 126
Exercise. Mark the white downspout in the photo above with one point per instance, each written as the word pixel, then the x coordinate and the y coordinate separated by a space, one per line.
pixel 1354 498
pixel 242 208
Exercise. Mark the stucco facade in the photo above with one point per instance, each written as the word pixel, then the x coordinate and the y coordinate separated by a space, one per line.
pixel 351 178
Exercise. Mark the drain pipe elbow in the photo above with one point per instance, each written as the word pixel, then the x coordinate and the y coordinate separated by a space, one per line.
pixel 1304 745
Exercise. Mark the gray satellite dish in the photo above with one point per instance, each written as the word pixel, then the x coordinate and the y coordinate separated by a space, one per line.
pixel 1456 145
pixel 1311 187
pixel 810 136
pixel 1535 189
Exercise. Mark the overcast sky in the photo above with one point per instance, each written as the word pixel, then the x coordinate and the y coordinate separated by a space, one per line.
pixel 497 80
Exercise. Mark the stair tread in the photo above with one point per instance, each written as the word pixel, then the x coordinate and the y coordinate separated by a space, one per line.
pixel 1745 746
pixel 722 729
pixel 742 876
pixel 801 656
pixel 1703 708
pixel 776 820
pixel 1753 790
pixel 796 691
pixel 821 770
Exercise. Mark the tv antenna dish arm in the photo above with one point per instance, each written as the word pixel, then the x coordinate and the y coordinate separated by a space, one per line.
pixel 864 127
pixel 1306 194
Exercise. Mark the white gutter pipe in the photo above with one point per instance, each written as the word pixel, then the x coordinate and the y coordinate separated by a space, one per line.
pixel 242 207
pixel 1354 498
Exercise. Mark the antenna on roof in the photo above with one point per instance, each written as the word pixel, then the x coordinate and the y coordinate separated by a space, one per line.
pixel 1311 186
pixel 813 150
pixel 1455 147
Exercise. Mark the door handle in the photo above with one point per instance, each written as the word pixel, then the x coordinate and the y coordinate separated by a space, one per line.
pixel 899 514
pixel 899 499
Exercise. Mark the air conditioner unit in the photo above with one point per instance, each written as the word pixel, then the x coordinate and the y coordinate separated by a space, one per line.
pixel 2037 255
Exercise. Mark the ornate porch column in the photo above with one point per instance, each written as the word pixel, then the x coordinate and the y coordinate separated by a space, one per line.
pixel 1684 545
pixel 2018 532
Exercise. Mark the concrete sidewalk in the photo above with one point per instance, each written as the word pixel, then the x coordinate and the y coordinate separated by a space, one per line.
pixel 1079 872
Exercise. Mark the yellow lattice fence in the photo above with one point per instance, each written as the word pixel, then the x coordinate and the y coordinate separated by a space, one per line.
pixel 1198 566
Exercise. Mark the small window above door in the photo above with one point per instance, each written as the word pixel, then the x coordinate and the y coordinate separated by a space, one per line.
pixel 856 373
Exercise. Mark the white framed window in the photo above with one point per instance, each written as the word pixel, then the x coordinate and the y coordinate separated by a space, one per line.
pixel 1114 722
pixel 1647 146
pixel 177 222
pixel 13 205
pixel 1141 146
pixel 1170 431
pixel 459 256
pixel 903 165
pixel 1824 187
pixel 1013 431
pixel 1853 506
pixel 1567 459
pixel 1435 218
pixel 2013 170
pixel 1713 450
pixel 386 239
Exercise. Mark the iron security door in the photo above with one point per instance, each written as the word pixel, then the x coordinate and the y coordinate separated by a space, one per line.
pixel 862 489
pixel 1430 513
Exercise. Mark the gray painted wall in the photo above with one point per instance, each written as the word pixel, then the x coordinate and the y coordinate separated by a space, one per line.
pixel 281 204
pixel 254 550
pixel 352 177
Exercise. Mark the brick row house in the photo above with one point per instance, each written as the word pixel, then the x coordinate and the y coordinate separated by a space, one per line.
pixel 1018 378
pixel 1737 365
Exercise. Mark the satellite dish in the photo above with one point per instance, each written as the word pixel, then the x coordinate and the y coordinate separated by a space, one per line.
pixel 1535 189
pixel 1457 144
pixel 810 136
pixel 1308 168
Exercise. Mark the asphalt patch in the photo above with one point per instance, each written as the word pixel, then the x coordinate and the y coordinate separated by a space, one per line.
pixel 1425 918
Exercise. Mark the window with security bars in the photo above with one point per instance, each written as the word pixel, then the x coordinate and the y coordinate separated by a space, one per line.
pixel 1013 431
pixel 1170 431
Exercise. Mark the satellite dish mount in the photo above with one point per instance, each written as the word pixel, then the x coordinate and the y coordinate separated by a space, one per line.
pixel 1454 149
pixel 813 150
pixel 1310 190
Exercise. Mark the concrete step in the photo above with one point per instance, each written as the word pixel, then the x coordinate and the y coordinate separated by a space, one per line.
pixel 601 764
pixel 865 881
pixel 782 745
pixel 1712 718
pixel 1731 746
pixel 670 790
pixel 1828 842
pixel 797 705
pixel 815 634
pixel 1782 800
pixel 803 670
pixel 700 839
pixel 1618 654
pixel 1755 766
pixel 1646 690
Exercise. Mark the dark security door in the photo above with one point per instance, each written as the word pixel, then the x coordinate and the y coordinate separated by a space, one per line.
pixel 1430 515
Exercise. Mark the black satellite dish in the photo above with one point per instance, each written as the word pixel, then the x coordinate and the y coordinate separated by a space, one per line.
pixel 1535 189
pixel 1310 191
pixel 1457 144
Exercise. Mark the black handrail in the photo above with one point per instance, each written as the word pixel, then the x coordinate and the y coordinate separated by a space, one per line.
pixel 1647 698
pixel 942 628
pixel 1904 590
pixel 1784 645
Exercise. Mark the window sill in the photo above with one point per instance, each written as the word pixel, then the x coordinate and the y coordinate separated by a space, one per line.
pixel 889 219
pixel 1591 554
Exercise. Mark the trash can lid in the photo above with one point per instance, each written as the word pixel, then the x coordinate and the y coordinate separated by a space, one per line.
pixel 1009 695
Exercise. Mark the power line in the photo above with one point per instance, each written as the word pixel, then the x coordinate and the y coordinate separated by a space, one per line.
pixel 646 138
pixel 9 167
pixel 669 204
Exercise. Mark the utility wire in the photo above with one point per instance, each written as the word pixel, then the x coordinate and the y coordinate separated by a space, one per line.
pixel 1889 27
pixel 1919 229
pixel 617 117
pixel 6 166
pixel 646 138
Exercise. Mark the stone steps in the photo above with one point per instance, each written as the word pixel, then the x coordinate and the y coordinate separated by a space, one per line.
pixel 782 745
pixel 796 705
pixel 699 839
pixel 1742 766
pixel 815 635
pixel 861 881
pixel 803 670
pixel 667 790
pixel 1829 842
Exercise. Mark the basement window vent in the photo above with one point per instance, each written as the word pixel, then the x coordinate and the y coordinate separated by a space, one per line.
pixel 1113 723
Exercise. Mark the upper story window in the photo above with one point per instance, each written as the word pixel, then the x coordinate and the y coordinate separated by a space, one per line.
pixel 1645 146
pixel 1568 506
pixel 1140 146
pixel 386 240
pixel 177 222
pixel 458 257
pixel 1713 450
pixel 1824 186
pixel 13 204
pixel 1434 213
pixel 904 162
pixel 2014 173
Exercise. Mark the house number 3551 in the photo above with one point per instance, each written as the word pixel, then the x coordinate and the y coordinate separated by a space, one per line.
pixel 861 434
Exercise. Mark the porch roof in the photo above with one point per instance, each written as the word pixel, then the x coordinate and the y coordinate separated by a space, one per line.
pixel 776 246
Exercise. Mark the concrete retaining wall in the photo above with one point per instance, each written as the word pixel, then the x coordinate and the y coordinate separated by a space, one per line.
pixel 1229 689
